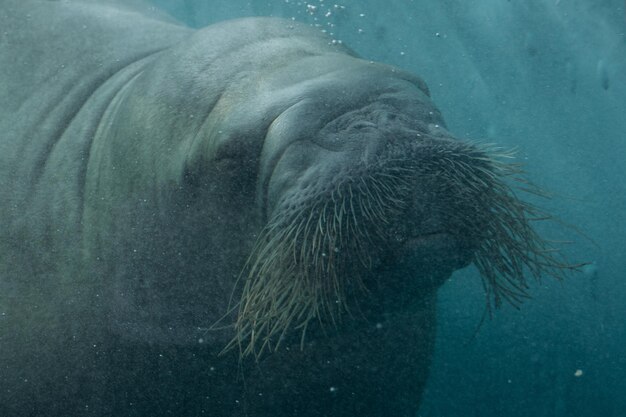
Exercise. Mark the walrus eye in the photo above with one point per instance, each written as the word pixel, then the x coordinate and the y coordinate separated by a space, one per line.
pixel 360 125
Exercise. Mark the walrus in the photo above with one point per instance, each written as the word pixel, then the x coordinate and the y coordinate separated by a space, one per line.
pixel 242 220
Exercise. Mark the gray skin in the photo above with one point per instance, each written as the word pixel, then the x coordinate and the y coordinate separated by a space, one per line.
pixel 139 161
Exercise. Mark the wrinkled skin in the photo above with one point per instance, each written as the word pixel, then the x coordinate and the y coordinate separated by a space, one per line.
pixel 140 161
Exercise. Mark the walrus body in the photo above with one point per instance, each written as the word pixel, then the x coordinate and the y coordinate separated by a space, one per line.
pixel 165 247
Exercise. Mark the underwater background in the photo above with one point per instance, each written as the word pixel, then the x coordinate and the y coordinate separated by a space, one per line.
pixel 548 78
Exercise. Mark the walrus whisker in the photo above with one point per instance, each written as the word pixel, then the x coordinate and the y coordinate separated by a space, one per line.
pixel 296 272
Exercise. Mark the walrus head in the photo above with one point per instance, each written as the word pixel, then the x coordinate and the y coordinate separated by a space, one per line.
pixel 372 200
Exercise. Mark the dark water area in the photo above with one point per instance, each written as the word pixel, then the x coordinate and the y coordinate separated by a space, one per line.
pixel 547 78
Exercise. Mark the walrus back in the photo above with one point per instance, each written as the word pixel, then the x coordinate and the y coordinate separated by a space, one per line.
pixel 60 65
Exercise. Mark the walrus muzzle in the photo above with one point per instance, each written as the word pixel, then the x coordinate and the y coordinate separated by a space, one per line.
pixel 426 205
